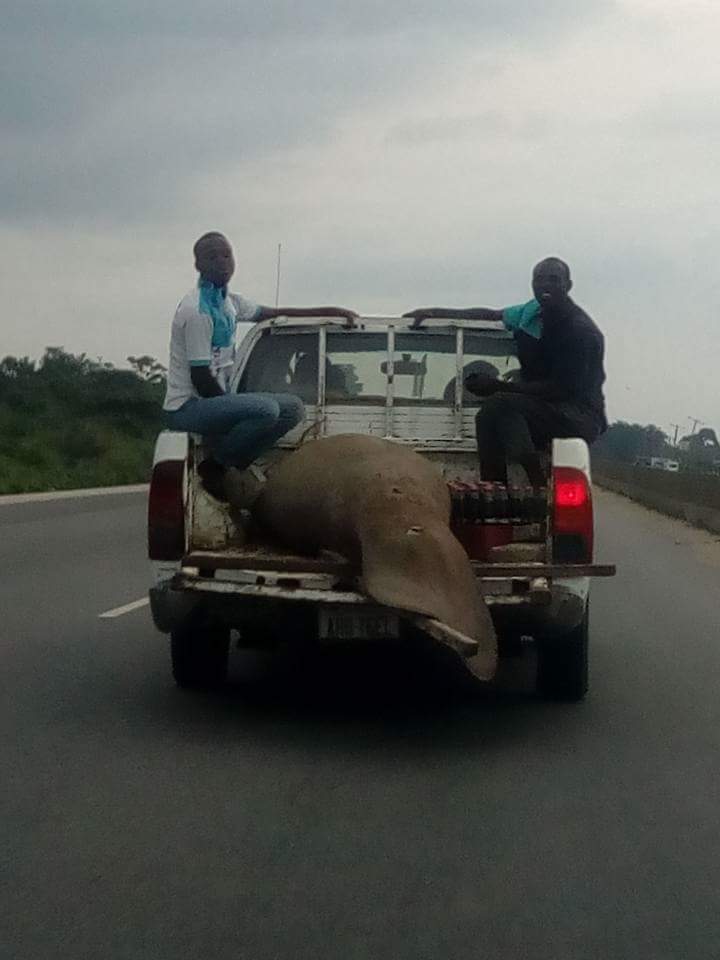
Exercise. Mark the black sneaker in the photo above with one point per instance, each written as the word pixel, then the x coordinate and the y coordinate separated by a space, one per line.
pixel 212 475
pixel 243 487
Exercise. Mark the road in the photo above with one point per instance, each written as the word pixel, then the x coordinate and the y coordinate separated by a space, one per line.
pixel 139 821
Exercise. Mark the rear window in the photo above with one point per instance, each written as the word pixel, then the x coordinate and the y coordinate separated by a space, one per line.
pixel 356 368
pixel 283 363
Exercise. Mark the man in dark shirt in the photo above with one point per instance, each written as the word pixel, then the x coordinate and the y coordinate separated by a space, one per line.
pixel 560 391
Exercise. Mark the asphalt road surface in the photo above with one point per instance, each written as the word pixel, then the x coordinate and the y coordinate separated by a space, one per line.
pixel 355 811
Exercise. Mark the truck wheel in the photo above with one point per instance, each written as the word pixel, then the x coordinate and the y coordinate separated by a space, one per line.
pixel 563 664
pixel 199 654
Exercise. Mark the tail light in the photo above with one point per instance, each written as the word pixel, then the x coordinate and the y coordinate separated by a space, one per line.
pixel 572 516
pixel 166 511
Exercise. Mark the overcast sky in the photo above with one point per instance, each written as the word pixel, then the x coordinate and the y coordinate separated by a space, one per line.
pixel 404 153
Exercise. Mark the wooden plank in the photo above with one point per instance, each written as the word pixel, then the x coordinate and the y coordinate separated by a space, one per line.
pixel 267 592
pixel 539 591
pixel 259 558
pixel 264 558
pixel 558 571
pixel 520 552
pixel 459 642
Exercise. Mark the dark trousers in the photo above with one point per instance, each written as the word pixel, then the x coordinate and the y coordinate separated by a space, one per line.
pixel 511 428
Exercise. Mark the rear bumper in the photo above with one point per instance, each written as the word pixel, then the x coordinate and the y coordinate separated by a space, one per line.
pixel 170 608
pixel 557 610
pixel 562 614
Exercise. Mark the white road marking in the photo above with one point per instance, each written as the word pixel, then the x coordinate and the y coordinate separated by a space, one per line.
pixel 127 608
pixel 10 499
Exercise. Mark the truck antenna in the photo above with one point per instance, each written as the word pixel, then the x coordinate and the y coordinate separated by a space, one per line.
pixel 277 280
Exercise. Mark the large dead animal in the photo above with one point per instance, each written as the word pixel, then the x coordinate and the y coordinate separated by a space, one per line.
pixel 387 510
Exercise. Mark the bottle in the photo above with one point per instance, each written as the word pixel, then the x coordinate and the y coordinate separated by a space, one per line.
pixel 500 502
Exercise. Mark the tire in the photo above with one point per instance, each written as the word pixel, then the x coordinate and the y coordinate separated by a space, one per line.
pixel 563 664
pixel 199 653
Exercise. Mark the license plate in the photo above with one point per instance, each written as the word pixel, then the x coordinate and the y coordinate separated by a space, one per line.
pixel 339 625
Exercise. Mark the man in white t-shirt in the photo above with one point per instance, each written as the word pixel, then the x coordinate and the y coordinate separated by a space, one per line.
pixel 237 426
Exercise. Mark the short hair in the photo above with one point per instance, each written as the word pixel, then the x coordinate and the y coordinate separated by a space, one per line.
pixel 212 235
pixel 557 262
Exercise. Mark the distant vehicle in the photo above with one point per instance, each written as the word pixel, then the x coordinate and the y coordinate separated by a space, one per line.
pixel 532 553
pixel 702 451
pixel 658 463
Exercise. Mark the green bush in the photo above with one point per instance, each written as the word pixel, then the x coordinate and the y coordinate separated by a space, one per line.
pixel 71 422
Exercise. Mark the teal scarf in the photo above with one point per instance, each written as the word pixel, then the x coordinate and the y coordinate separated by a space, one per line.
pixel 213 302
pixel 526 317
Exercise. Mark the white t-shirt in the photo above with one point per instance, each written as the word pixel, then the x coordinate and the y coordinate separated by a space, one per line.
pixel 191 344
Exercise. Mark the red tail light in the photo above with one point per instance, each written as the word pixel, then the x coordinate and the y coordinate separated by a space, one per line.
pixel 570 493
pixel 166 511
pixel 572 516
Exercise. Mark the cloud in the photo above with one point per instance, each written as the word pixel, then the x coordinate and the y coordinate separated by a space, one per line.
pixel 403 153
pixel 111 110
pixel 528 125
pixel 676 117
pixel 277 19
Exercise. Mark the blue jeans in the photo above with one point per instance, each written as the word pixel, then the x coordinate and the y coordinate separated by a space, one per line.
pixel 238 426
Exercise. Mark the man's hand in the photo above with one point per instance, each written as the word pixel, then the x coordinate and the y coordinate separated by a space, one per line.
pixel 482 385
pixel 351 318
pixel 422 313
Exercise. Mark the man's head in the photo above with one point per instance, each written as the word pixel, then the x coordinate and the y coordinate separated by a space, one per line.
pixel 214 259
pixel 551 282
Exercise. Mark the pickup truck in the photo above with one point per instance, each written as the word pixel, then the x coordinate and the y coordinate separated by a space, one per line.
pixel 532 553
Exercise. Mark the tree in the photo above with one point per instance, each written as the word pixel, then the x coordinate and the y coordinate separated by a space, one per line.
pixel 16 368
pixel 148 368
pixel 16 374
pixel 628 441
pixel 701 450
pixel 71 421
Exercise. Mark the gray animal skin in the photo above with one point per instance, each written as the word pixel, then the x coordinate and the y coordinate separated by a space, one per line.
pixel 387 510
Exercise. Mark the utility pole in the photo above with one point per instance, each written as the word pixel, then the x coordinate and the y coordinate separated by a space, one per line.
pixel 677 427
pixel 695 422
pixel 277 281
